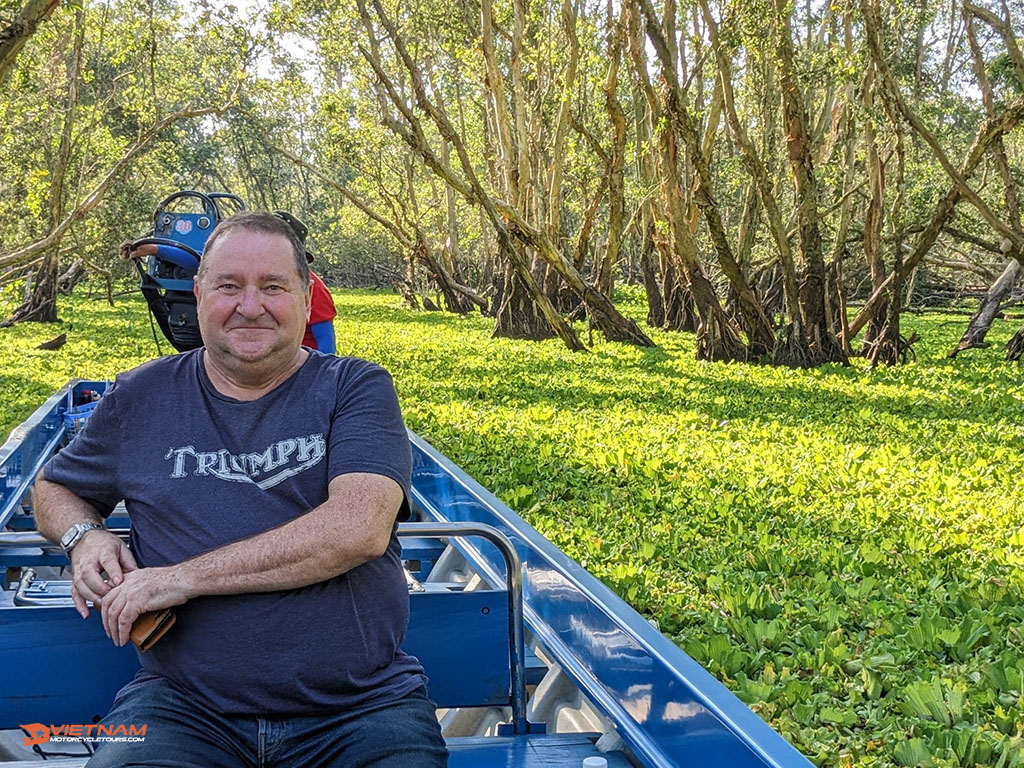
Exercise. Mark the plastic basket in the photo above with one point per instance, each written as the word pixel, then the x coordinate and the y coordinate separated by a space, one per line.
pixel 76 416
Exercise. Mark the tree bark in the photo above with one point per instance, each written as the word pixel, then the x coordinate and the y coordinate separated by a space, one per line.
pixel 609 321
pixel 754 321
pixel 823 346
pixel 989 130
pixel 874 214
pixel 1015 347
pixel 41 306
pixel 717 336
pixel 14 36
pixel 872 25
pixel 981 322
pixel 1005 30
pixel 554 195
pixel 655 302
pixel 416 246
pixel 617 156
pixel 518 316
pixel 650 258
pixel 451 249
pixel 836 297
pixel 795 350
pixel 890 347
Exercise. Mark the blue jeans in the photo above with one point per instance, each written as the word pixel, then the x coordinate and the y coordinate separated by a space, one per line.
pixel 183 733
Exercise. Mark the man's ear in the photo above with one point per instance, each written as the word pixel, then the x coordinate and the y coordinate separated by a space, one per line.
pixel 309 301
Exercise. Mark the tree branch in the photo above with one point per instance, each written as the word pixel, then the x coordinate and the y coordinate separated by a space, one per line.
pixel 93 199
pixel 17 33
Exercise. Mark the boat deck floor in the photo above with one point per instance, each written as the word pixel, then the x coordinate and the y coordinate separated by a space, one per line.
pixel 555 750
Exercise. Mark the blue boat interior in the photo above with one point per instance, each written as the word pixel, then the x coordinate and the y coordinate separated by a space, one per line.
pixel 532 661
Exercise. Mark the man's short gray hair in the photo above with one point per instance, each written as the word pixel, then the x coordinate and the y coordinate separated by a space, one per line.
pixel 267 224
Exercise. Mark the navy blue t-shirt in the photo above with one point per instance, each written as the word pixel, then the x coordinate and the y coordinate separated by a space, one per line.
pixel 198 470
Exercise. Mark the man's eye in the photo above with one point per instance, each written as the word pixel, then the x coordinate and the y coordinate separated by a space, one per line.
pixel 274 288
pixel 227 287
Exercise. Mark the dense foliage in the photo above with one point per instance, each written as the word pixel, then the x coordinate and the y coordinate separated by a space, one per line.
pixel 757 164
pixel 844 548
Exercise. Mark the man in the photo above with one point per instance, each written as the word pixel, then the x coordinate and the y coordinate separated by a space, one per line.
pixel 263 481
pixel 320 327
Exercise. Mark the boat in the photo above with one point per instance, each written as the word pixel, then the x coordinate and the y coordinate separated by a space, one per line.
pixel 532 660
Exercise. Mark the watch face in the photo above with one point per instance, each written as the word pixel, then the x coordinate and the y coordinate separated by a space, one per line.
pixel 68 537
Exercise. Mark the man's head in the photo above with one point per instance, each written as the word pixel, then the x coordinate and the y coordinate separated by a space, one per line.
pixel 253 295
pixel 267 223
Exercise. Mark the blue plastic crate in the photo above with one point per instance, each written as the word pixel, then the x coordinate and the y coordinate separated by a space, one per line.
pixel 76 416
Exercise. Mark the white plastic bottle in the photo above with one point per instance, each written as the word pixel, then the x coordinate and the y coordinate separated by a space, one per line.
pixel 595 762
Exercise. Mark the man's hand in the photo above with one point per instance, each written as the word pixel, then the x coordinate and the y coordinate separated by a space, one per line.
pixel 127 252
pixel 98 551
pixel 144 589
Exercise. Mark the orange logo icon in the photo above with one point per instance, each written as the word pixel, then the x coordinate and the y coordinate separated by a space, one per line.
pixel 38 734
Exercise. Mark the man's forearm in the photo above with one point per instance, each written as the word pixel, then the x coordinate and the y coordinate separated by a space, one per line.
pixel 323 543
pixel 302 552
pixel 57 509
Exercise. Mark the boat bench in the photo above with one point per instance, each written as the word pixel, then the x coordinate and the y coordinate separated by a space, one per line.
pixel 461 638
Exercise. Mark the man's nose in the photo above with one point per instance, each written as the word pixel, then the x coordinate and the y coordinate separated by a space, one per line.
pixel 250 302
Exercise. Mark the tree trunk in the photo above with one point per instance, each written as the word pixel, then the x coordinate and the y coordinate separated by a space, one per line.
pixel 978 327
pixel 14 36
pixel 874 215
pixel 71 277
pixel 646 174
pixel 981 322
pixel 552 282
pixel 989 130
pixel 872 25
pixel 518 316
pixel 452 248
pixel 617 156
pixel 718 337
pixel 1015 347
pixel 506 219
pixel 655 302
pixel 679 311
pixel 890 347
pixel 835 292
pixel 41 306
pixel 587 227
pixel 754 322
pixel 454 300
pixel 797 349
pixel 747 231
pixel 823 346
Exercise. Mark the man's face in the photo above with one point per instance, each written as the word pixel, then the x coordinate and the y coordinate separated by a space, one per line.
pixel 252 305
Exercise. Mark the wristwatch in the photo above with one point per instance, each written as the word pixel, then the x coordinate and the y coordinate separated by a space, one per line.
pixel 74 535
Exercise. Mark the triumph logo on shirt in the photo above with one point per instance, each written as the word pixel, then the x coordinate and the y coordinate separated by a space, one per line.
pixel 265 469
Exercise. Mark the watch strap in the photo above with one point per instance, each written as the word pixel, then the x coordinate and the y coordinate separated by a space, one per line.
pixel 80 529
